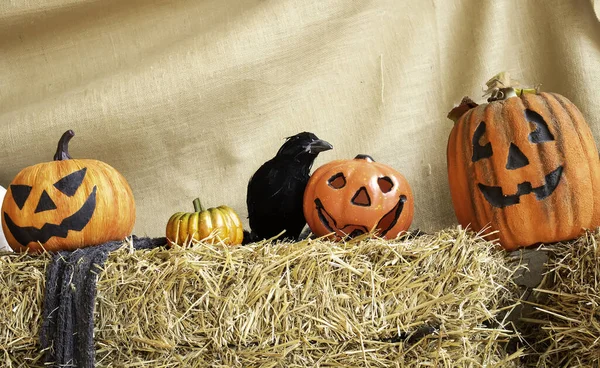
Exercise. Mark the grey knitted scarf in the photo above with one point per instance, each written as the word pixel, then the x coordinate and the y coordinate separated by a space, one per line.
pixel 67 332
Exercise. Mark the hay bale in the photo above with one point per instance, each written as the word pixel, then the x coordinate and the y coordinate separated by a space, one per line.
pixel 565 328
pixel 430 300
pixel 22 280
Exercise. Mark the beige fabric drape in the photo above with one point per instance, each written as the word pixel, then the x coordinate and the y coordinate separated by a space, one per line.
pixel 188 98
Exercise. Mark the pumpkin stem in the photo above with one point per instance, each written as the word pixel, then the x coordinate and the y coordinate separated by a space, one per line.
pixel 502 87
pixel 364 157
pixel 500 80
pixel 62 151
pixel 198 205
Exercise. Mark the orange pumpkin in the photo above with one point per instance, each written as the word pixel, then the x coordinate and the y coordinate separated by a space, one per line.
pixel 346 198
pixel 524 165
pixel 67 204
pixel 222 222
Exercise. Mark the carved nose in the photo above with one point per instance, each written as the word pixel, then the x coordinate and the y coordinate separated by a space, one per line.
pixel 516 158
pixel 45 203
pixel 361 198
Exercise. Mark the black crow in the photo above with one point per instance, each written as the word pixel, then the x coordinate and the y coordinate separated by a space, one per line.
pixel 276 189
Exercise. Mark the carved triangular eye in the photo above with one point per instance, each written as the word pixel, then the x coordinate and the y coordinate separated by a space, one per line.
pixel 70 183
pixel 20 193
pixel 541 133
pixel 479 151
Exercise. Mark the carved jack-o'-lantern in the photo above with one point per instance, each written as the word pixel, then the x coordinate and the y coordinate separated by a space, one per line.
pixel 67 204
pixel 525 166
pixel 354 197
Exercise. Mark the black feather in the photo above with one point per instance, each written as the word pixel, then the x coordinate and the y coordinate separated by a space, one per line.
pixel 276 189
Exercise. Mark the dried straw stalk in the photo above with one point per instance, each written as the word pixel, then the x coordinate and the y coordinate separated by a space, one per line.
pixel 22 280
pixel 565 330
pixel 427 301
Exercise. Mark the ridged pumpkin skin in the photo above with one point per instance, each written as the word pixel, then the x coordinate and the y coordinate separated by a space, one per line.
pixel 360 202
pixel 109 199
pixel 199 225
pixel 544 159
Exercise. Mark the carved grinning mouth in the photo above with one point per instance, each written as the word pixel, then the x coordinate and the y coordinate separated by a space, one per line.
pixel 385 224
pixel 496 197
pixel 75 222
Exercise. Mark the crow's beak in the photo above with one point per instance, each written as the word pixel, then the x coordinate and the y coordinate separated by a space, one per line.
pixel 318 146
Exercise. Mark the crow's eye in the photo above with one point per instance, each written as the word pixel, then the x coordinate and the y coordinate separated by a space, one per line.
pixel 480 151
pixel 541 133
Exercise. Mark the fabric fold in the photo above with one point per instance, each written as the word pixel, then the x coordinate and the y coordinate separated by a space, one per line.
pixel 67 332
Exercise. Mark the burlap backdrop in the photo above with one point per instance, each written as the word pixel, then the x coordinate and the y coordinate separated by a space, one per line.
pixel 188 98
